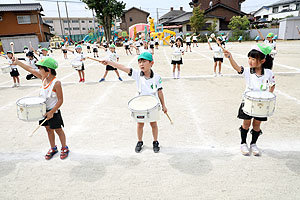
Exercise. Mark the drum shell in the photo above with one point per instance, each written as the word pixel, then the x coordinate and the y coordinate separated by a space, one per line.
pixel 31 112
pixel 6 69
pixel 176 56
pixel 76 65
pixel 148 115
pixel 259 107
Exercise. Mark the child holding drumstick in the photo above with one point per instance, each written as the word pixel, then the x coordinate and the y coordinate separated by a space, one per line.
pixel 14 70
pixel 51 90
pixel 144 79
pixel 258 77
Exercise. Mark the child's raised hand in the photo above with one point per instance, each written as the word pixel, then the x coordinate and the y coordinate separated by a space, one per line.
pixel 14 59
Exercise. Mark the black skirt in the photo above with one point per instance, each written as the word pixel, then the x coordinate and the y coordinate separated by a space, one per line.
pixel 55 122
pixel 95 50
pixel 179 62
pixel 88 47
pixel 242 115
pixel 110 68
pixel 14 73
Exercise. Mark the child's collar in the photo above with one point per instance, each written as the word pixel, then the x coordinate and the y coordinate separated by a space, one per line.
pixel 151 73
pixel 252 71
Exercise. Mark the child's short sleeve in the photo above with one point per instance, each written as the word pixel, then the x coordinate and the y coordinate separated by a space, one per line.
pixel 134 74
pixel 271 78
pixel 158 82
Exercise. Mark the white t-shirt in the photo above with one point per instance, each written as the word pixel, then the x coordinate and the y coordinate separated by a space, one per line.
pixel 273 44
pixel 130 42
pixel 88 44
pixel 218 52
pixel 79 56
pixel 137 44
pixel 172 39
pixel 126 44
pixel 31 63
pixel 95 45
pixel 152 42
pixel 42 56
pixel 195 37
pixel 142 50
pixel 177 53
pixel 39 50
pixel 112 56
pixel 258 83
pixel 26 51
pixel 11 62
pixel 188 39
pixel 156 40
pixel 64 47
pixel 145 86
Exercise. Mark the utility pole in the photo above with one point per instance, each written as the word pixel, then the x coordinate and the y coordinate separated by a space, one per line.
pixel 68 21
pixel 94 22
pixel 157 15
pixel 61 28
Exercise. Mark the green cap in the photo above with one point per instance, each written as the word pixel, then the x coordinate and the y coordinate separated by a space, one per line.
pixel 9 52
pixel 25 47
pixel 146 56
pixel 39 45
pixel 270 35
pixel 222 33
pixel 48 62
pixel 187 34
pixel 78 47
pixel 62 43
pixel 136 38
pixel 145 41
pixel 45 49
pixel 112 46
pixel 263 48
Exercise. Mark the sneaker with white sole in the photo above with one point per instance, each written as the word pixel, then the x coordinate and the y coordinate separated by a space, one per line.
pixel 254 149
pixel 245 150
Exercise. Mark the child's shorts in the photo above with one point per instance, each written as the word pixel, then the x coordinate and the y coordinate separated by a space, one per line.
pixel 14 72
pixel 218 59
pixel 95 50
pixel 82 68
pixel 127 47
pixel 188 44
pixel 156 43
pixel 242 115
pixel 55 122
pixel 110 68
pixel 64 51
pixel 179 62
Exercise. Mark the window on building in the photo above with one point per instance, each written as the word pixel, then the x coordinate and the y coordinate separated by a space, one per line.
pixel 83 29
pixel 82 21
pixel 66 29
pixel 130 19
pixel 25 19
pixel 75 21
pixel 298 6
pixel 65 21
pixel 76 28
pixel 90 21
pixel 265 16
pixel 49 21
pixel 275 9
pixel 188 27
pixel 51 29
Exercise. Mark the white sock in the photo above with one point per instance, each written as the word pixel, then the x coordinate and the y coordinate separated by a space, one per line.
pixel 178 74
pixel 174 74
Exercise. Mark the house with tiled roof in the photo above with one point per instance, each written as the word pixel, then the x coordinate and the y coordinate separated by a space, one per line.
pixel 21 21
pixel 133 16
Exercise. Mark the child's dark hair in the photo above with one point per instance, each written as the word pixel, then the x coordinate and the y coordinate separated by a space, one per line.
pixel 52 71
pixel 180 41
pixel 268 64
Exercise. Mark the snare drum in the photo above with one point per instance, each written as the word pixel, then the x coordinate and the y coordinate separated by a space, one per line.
pixel 176 56
pixel 31 108
pixel 76 65
pixel 144 108
pixel 6 69
pixel 259 104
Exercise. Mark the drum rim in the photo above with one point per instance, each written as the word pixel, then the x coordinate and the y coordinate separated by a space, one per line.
pixel 147 110
pixel 261 99
pixel 31 105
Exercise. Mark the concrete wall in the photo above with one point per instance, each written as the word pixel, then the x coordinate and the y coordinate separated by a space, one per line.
pixel 20 42
pixel 288 30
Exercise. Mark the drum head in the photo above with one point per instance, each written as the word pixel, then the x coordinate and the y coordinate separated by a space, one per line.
pixel 143 102
pixel 260 95
pixel 31 101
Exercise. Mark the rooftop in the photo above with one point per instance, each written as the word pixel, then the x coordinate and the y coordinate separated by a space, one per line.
pixel 21 7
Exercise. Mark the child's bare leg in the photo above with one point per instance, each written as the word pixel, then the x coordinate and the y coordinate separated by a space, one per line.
pixel 14 79
pixel 154 130
pixel 105 74
pixel 174 67
pixel 117 72
pixel 79 74
pixel 18 80
pixel 140 127
pixel 82 73
pixel 62 137
pixel 215 67
pixel 246 124
pixel 51 136
pixel 256 125
pixel 220 65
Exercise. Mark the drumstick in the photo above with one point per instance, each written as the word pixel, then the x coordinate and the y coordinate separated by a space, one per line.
pixel 169 118
pixel 12 47
pixel 220 44
pixel 93 59
pixel 297 29
pixel 37 128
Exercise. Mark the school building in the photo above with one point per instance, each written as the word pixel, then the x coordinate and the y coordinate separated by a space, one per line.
pixel 21 23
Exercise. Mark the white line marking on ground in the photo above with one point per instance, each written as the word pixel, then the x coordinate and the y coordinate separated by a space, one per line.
pixel 287 96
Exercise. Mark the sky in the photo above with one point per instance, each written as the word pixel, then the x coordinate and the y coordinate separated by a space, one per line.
pixel 77 9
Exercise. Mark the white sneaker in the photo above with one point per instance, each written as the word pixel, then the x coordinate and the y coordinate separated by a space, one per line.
pixel 254 149
pixel 245 150
pixel 215 74
pixel 15 85
pixel 18 85
pixel 220 74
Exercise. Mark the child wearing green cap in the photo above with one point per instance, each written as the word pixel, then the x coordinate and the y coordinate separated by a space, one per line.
pixel 269 41
pixel 145 79
pixel 137 45
pixel 156 40
pixel 79 57
pixel 51 90
pixel 152 43
pixel 111 56
pixel 14 70
pixel 218 54
pixel 258 77
pixel 195 39
pixel 88 47
pixel 65 52
pixel 127 47
pixel 188 41
pixel 26 50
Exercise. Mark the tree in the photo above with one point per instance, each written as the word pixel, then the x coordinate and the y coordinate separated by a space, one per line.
pixel 213 26
pixel 106 11
pixel 197 21
pixel 238 25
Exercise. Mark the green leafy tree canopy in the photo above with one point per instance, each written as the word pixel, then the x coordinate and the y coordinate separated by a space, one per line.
pixel 213 26
pixel 197 21
pixel 106 11
pixel 238 25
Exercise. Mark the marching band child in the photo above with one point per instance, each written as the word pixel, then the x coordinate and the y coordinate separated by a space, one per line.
pixel 127 48
pixel 31 60
pixel 26 50
pixel 95 49
pixel 195 40
pixel 258 77
pixel 88 47
pixel 130 43
pixel 178 51
pixel 152 43
pixel 79 57
pixel 65 52
pixel 137 45
pixel 188 42
pixel 51 90
pixel 111 56
pixel 145 78
pixel 218 54
pixel 172 40
pixel 156 40
pixel 14 70
pixel 269 41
